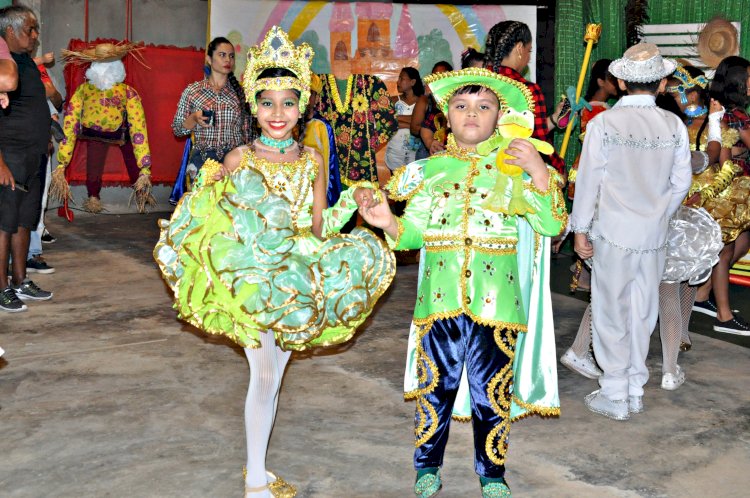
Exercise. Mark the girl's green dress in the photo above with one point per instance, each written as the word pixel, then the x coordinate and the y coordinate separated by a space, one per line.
pixel 241 259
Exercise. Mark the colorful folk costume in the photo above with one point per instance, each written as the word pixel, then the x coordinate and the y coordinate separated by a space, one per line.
pixel 104 111
pixel 242 260
pixel 482 293
pixel 240 256
pixel 363 120
pixel 725 191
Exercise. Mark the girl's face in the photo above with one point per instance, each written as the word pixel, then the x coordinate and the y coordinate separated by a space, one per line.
pixel 278 113
pixel 222 60
pixel 404 83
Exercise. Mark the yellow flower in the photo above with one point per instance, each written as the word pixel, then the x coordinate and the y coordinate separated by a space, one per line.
pixel 359 104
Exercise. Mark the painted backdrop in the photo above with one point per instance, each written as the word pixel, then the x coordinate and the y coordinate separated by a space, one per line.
pixel 367 37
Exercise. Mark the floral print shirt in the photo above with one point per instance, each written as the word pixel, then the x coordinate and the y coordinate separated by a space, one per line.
pixel 363 122
pixel 106 111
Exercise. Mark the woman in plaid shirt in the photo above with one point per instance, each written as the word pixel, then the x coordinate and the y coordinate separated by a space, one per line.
pixel 508 51
pixel 228 125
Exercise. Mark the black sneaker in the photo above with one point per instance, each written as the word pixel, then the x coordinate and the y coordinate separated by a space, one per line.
pixel 736 326
pixel 47 237
pixel 28 290
pixel 38 265
pixel 9 301
pixel 707 307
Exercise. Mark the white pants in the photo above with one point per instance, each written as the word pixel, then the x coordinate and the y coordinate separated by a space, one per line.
pixel 624 309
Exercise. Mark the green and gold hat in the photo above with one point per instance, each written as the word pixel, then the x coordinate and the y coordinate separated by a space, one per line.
pixel 510 93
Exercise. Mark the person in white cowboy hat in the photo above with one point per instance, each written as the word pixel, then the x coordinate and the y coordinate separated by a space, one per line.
pixel 633 174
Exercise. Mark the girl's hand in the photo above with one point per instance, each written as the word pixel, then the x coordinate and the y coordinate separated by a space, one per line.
pixel 715 106
pixel 436 146
pixel 223 171
pixel 365 197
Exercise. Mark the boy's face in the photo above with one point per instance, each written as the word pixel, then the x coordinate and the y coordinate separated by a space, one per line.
pixel 472 117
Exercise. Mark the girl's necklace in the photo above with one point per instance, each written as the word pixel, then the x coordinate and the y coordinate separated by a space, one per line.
pixel 279 145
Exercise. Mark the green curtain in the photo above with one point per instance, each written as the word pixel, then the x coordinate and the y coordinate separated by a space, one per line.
pixel 573 15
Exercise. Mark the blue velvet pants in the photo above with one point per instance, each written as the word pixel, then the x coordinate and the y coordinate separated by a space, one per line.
pixel 487 353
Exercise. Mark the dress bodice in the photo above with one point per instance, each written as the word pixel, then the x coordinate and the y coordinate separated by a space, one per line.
pixel 291 180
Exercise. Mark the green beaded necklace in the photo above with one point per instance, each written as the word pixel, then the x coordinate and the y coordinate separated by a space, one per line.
pixel 276 144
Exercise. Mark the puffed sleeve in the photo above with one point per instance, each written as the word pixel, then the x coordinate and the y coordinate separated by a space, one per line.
pixel 550 214
pixel 138 132
pixel 71 127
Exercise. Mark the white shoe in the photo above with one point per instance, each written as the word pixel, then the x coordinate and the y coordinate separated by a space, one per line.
pixel 2 351
pixel 616 409
pixel 585 366
pixel 671 382
pixel 635 404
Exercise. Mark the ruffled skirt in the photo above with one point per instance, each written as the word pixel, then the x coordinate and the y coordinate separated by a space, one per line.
pixel 238 268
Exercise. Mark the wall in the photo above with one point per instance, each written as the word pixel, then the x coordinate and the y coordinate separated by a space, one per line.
pixel 162 22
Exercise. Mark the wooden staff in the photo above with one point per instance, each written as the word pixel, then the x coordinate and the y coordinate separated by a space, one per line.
pixel 593 32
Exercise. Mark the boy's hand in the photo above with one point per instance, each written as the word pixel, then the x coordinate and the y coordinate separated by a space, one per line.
pixel 523 154
pixel 379 215
pixel 582 246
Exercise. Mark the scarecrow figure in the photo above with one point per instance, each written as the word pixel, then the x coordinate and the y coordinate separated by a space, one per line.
pixel 102 112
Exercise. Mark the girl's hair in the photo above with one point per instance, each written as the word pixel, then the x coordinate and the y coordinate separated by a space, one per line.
pixel 244 106
pixel 501 39
pixel 447 65
pixel 470 56
pixel 280 72
pixel 694 72
pixel 729 86
pixel 600 70
pixel 413 74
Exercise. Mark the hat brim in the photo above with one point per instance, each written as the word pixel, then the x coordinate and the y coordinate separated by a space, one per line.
pixel 510 93
pixel 617 69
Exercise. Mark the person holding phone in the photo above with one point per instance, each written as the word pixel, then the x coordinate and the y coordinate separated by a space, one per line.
pixel 214 111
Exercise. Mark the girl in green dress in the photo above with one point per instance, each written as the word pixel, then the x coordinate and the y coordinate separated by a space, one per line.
pixel 253 253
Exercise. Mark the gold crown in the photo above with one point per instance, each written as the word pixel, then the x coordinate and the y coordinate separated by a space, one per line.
pixel 277 50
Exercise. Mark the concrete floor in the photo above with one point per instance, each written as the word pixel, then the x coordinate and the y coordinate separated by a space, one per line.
pixel 104 393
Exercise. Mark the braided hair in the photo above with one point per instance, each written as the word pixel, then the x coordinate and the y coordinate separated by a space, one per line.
pixel 501 39
pixel 694 72
pixel 236 86
pixel 280 72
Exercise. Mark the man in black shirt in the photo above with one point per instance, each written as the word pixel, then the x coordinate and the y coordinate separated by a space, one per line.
pixel 24 134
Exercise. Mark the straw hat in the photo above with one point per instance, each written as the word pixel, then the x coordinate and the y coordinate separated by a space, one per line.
pixel 101 52
pixel 642 63
pixel 717 40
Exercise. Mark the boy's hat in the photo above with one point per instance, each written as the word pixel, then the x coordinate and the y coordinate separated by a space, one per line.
pixel 510 93
pixel 642 63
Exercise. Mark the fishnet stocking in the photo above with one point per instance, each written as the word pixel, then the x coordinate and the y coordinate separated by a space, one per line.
pixel 582 342
pixel 675 307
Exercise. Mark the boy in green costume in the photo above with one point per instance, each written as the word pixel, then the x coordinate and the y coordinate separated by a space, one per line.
pixel 470 304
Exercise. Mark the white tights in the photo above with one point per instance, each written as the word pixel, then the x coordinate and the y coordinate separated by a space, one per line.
pixel 267 365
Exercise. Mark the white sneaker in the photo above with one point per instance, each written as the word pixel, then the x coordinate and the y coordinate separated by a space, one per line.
pixel 2 351
pixel 635 404
pixel 616 409
pixel 671 382
pixel 585 366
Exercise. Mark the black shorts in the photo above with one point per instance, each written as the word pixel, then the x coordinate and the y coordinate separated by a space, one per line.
pixel 22 206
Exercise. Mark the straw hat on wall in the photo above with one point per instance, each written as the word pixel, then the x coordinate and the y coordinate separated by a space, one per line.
pixel 716 41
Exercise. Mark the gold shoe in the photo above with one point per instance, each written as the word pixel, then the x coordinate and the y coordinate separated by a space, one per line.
pixel 685 346
pixel 279 487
